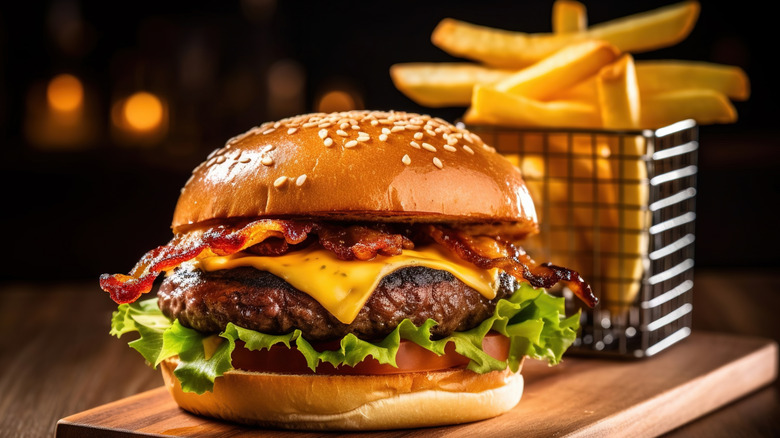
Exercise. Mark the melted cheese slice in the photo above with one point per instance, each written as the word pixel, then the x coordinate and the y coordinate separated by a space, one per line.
pixel 343 287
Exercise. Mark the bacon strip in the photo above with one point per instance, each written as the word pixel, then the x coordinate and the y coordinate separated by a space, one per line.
pixel 354 242
pixel 516 263
pixel 219 240
pixel 347 242
pixel 360 242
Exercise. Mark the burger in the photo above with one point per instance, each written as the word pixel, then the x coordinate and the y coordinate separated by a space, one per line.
pixel 353 270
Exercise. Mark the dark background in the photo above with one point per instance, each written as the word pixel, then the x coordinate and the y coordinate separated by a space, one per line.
pixel 75 212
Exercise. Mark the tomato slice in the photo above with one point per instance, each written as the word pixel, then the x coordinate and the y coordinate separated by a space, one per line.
pixel 410 358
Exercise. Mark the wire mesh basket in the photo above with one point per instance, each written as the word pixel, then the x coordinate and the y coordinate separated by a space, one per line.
pixel 619 207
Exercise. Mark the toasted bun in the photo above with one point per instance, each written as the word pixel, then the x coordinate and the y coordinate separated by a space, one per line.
pixel 359 165
pixel 354 402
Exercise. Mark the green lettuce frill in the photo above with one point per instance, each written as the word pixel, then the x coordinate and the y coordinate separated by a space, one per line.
pixel 533 320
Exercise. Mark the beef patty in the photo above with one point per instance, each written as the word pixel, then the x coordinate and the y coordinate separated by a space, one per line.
pixel 261 301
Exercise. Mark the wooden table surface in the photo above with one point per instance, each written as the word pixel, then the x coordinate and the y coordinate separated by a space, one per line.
pixel 57 359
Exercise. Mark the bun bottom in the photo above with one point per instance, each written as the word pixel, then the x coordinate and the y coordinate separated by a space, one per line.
pixel 351 402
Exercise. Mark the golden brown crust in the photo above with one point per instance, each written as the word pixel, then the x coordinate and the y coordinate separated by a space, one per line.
pixel 352 402
pixel 357 165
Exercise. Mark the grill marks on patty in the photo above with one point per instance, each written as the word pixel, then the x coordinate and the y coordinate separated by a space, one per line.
pixel 261 301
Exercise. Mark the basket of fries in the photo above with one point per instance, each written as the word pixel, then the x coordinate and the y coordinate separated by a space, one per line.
pixel 608 145
pixel 618 207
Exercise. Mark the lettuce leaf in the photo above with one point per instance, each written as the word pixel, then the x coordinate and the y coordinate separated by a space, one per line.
pixel 532 319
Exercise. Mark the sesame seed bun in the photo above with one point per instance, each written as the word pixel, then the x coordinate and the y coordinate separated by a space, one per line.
pixel 352 402
pixel 361 165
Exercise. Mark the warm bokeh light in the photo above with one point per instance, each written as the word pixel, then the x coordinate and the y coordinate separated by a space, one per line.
pixel 143 111
pixel 336 100
pixel 286 88
pixel 65 93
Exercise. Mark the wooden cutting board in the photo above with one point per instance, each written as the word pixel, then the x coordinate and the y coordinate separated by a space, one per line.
pixel 579 397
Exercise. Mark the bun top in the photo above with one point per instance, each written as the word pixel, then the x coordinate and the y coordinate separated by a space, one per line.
pixel 357 165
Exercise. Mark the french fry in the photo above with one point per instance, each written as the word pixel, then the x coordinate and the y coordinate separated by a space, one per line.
pixel 569 16
pixel 629 244
pixel 492 106
pixel 495 47
pixel 559 169
pixel 443 84
pixel 561 70
pixel 649 30
pixel 703 105
pixel 585 91
pixel 664 75
pixel 618 94
pixel 619 100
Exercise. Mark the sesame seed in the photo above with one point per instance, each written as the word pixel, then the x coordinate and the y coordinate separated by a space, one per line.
pixel 449 148
pixel 277 124
pixel 344 125
pixel 342 133
pixel 245 160
pixel 374 122
pixel 282 180
pixel 385 131
pixel 428 147
pixel 310 124
pixel 397 128
pixel 468 149
pixel 292 131
pixel 412 127
pixel 437 163
pixel 234 154
pixel 323 133
pixel 351 144
pixel 267 149
pixel 362 136
pixel 267 161
pixel 415 144
pixel 430 132
pixel 452 141
pixel 324 125
pixel 268 131
pixel 301 179
pixel 220 159
pixel 383 137
pixel 355 127
pixel 418 135
pixel 328 142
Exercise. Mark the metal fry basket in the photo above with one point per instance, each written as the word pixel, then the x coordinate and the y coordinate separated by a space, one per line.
pixel 619 207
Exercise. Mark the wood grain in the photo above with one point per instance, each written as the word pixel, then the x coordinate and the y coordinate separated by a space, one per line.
pixel 580 397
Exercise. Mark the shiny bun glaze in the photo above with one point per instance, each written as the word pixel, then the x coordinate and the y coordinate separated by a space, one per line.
pixel 357 165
